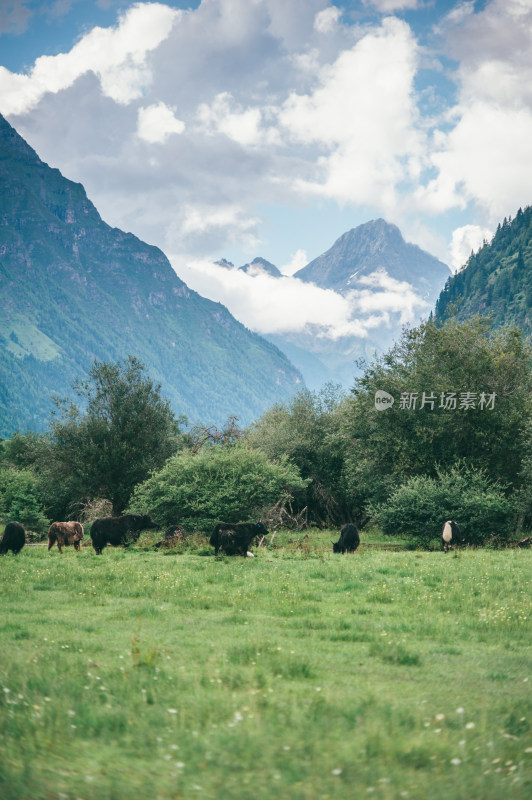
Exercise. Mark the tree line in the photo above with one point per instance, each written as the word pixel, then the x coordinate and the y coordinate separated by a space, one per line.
pixel 456 442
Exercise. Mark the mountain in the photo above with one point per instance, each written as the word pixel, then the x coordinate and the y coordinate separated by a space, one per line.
pixel 260 266
pixel 367 265
pixel 73 289
pixel 497 280
pixel 372 246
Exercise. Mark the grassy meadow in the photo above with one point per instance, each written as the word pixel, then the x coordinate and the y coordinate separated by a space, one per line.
pixel 298 674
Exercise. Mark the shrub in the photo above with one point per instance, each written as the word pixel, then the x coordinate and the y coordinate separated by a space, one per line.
pixel 19 499
pixel 420 506
pixel 224 482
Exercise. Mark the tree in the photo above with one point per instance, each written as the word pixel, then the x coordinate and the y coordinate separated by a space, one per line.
pixel 306 431
pixel 20 499
pixel 419 507
pixel 230 483
pixel 125 430
pixel 386 448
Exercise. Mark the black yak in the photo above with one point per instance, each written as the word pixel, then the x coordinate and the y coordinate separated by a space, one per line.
pixel 235 539
pixel 349 539
pixel 65 534
pixel 14 538
pixel 451 534
pixel 118 531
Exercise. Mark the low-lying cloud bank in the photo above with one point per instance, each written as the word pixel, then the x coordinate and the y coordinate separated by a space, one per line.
pixel 271 305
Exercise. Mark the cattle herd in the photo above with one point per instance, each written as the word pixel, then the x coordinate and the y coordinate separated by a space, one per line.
pixel 233 539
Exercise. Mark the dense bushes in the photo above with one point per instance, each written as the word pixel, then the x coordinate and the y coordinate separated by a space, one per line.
pixel 307 432
pixel 231 483
pixel 420 506
pixel 20 501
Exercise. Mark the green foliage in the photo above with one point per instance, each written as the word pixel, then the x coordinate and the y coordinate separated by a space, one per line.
pixel 232 483
pixel 20 499
pixel 91 291
pixel 122 430
pixel 307 432
pixel 524 495
pixel 386 448
pixel 495 281
pixel 420 506
pixel 127 431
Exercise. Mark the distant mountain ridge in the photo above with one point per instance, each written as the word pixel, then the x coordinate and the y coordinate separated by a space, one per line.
pixel 73 289
pixel 495 281
pixel 374 245
pixel 260 266
pixel 375 249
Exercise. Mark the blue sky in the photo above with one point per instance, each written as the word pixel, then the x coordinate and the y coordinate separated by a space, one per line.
pixel 239 128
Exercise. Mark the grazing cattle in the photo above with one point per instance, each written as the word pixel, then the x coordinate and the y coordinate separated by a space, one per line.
pixel 173 535
pixel 14 538
pixel 118 531
pixel 348 541
pixel 451 534
pixel 234 540
pixel 65 534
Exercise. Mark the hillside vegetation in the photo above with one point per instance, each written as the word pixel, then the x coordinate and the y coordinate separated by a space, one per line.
pixel 497 280
pixel 73 289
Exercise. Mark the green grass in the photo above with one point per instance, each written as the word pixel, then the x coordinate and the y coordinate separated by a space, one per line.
pixel 296 674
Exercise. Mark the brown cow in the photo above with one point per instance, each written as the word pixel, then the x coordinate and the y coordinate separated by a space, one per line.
pixel 65 534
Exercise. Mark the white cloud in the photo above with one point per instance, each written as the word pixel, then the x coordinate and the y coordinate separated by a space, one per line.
pixel 389 6
pixel 277 102
pixel 288 305
pixel 157 122
pixel 326 21
pixel 271 305
pixel 386 295
pixel 364 116
pixel 241 125
pixel 466 239
pixel 205 220
pixel 116 55
pixel 487 156
pixel 298 260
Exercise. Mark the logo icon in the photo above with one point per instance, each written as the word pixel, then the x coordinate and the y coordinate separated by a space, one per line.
pixel 383 400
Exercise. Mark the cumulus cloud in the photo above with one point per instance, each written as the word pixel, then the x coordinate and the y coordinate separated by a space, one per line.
pixel 326 21
pixel 202 220
pixel 242 125
pixel 486 155
pixel 227 110
pixel 157 122
pixel 363 113
pixel 384 296
pixel 116 55
pixel 389 6
pixel 466 239
pixel 298 260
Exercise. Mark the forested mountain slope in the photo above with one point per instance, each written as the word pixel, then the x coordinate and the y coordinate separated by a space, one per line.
pixel 497 280
pixel 73 289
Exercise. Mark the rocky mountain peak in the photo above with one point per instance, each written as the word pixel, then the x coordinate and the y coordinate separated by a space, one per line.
pixel 375 245
pixel 259 265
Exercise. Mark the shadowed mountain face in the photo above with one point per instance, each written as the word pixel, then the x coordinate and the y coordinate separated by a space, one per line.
pixel 370 247
pixel 73 289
